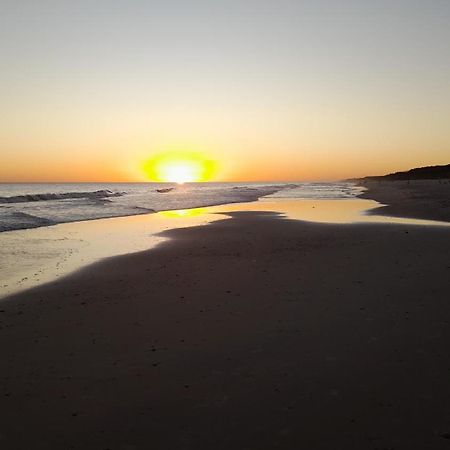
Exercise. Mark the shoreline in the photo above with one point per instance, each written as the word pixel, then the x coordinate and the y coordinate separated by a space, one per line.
pixel 417 199
pixel 144 213
pixel 36 256
pixel 245 195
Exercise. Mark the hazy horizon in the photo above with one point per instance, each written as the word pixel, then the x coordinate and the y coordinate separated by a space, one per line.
pixel 261 90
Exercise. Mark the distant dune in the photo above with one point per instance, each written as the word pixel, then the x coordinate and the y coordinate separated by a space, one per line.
pixel 419 173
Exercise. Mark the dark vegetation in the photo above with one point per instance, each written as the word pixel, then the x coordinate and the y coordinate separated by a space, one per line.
pixel 419 173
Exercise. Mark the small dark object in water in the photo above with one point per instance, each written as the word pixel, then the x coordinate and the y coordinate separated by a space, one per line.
pixel 164 190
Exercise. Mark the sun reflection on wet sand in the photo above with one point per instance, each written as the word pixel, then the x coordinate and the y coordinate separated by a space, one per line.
pixel 35 256
pixel 182 213
pixel 325 211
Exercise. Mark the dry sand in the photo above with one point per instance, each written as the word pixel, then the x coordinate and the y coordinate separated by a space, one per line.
pixel 421 199
pixel 254 332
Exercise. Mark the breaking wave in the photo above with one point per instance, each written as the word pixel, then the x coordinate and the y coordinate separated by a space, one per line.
pixel 105 193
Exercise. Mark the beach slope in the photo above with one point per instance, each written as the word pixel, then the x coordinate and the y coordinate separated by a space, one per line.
pixel 418 199
pixel 254 332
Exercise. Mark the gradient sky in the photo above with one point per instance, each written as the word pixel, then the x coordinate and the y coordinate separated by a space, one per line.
pixel 271 90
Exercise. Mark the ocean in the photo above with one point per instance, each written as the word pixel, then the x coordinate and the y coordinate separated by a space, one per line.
pixel 31 205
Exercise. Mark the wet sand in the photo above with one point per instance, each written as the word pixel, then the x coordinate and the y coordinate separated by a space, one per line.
pixel 254 332
pixel 32 257
pixel 421 199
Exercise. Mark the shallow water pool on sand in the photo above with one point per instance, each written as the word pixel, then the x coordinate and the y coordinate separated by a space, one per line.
pixel 35 256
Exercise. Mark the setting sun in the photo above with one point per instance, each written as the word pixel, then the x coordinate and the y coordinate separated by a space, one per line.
pixel 179 167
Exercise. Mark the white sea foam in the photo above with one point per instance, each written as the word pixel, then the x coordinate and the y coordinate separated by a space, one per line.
pixel 327 191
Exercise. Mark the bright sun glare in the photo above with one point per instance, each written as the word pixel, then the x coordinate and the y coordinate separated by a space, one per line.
pixel 179 167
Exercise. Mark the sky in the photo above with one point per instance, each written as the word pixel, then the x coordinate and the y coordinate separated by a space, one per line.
pixel 268 90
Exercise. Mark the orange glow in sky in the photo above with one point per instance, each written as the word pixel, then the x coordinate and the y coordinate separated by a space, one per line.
pixel 310 90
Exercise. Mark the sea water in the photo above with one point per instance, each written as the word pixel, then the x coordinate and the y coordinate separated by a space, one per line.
pixel 34 205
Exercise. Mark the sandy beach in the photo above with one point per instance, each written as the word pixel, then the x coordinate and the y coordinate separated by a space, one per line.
pixel 225 225
pixel 252 332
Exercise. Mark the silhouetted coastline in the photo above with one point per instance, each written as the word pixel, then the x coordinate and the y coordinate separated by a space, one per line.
pixel 418 173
